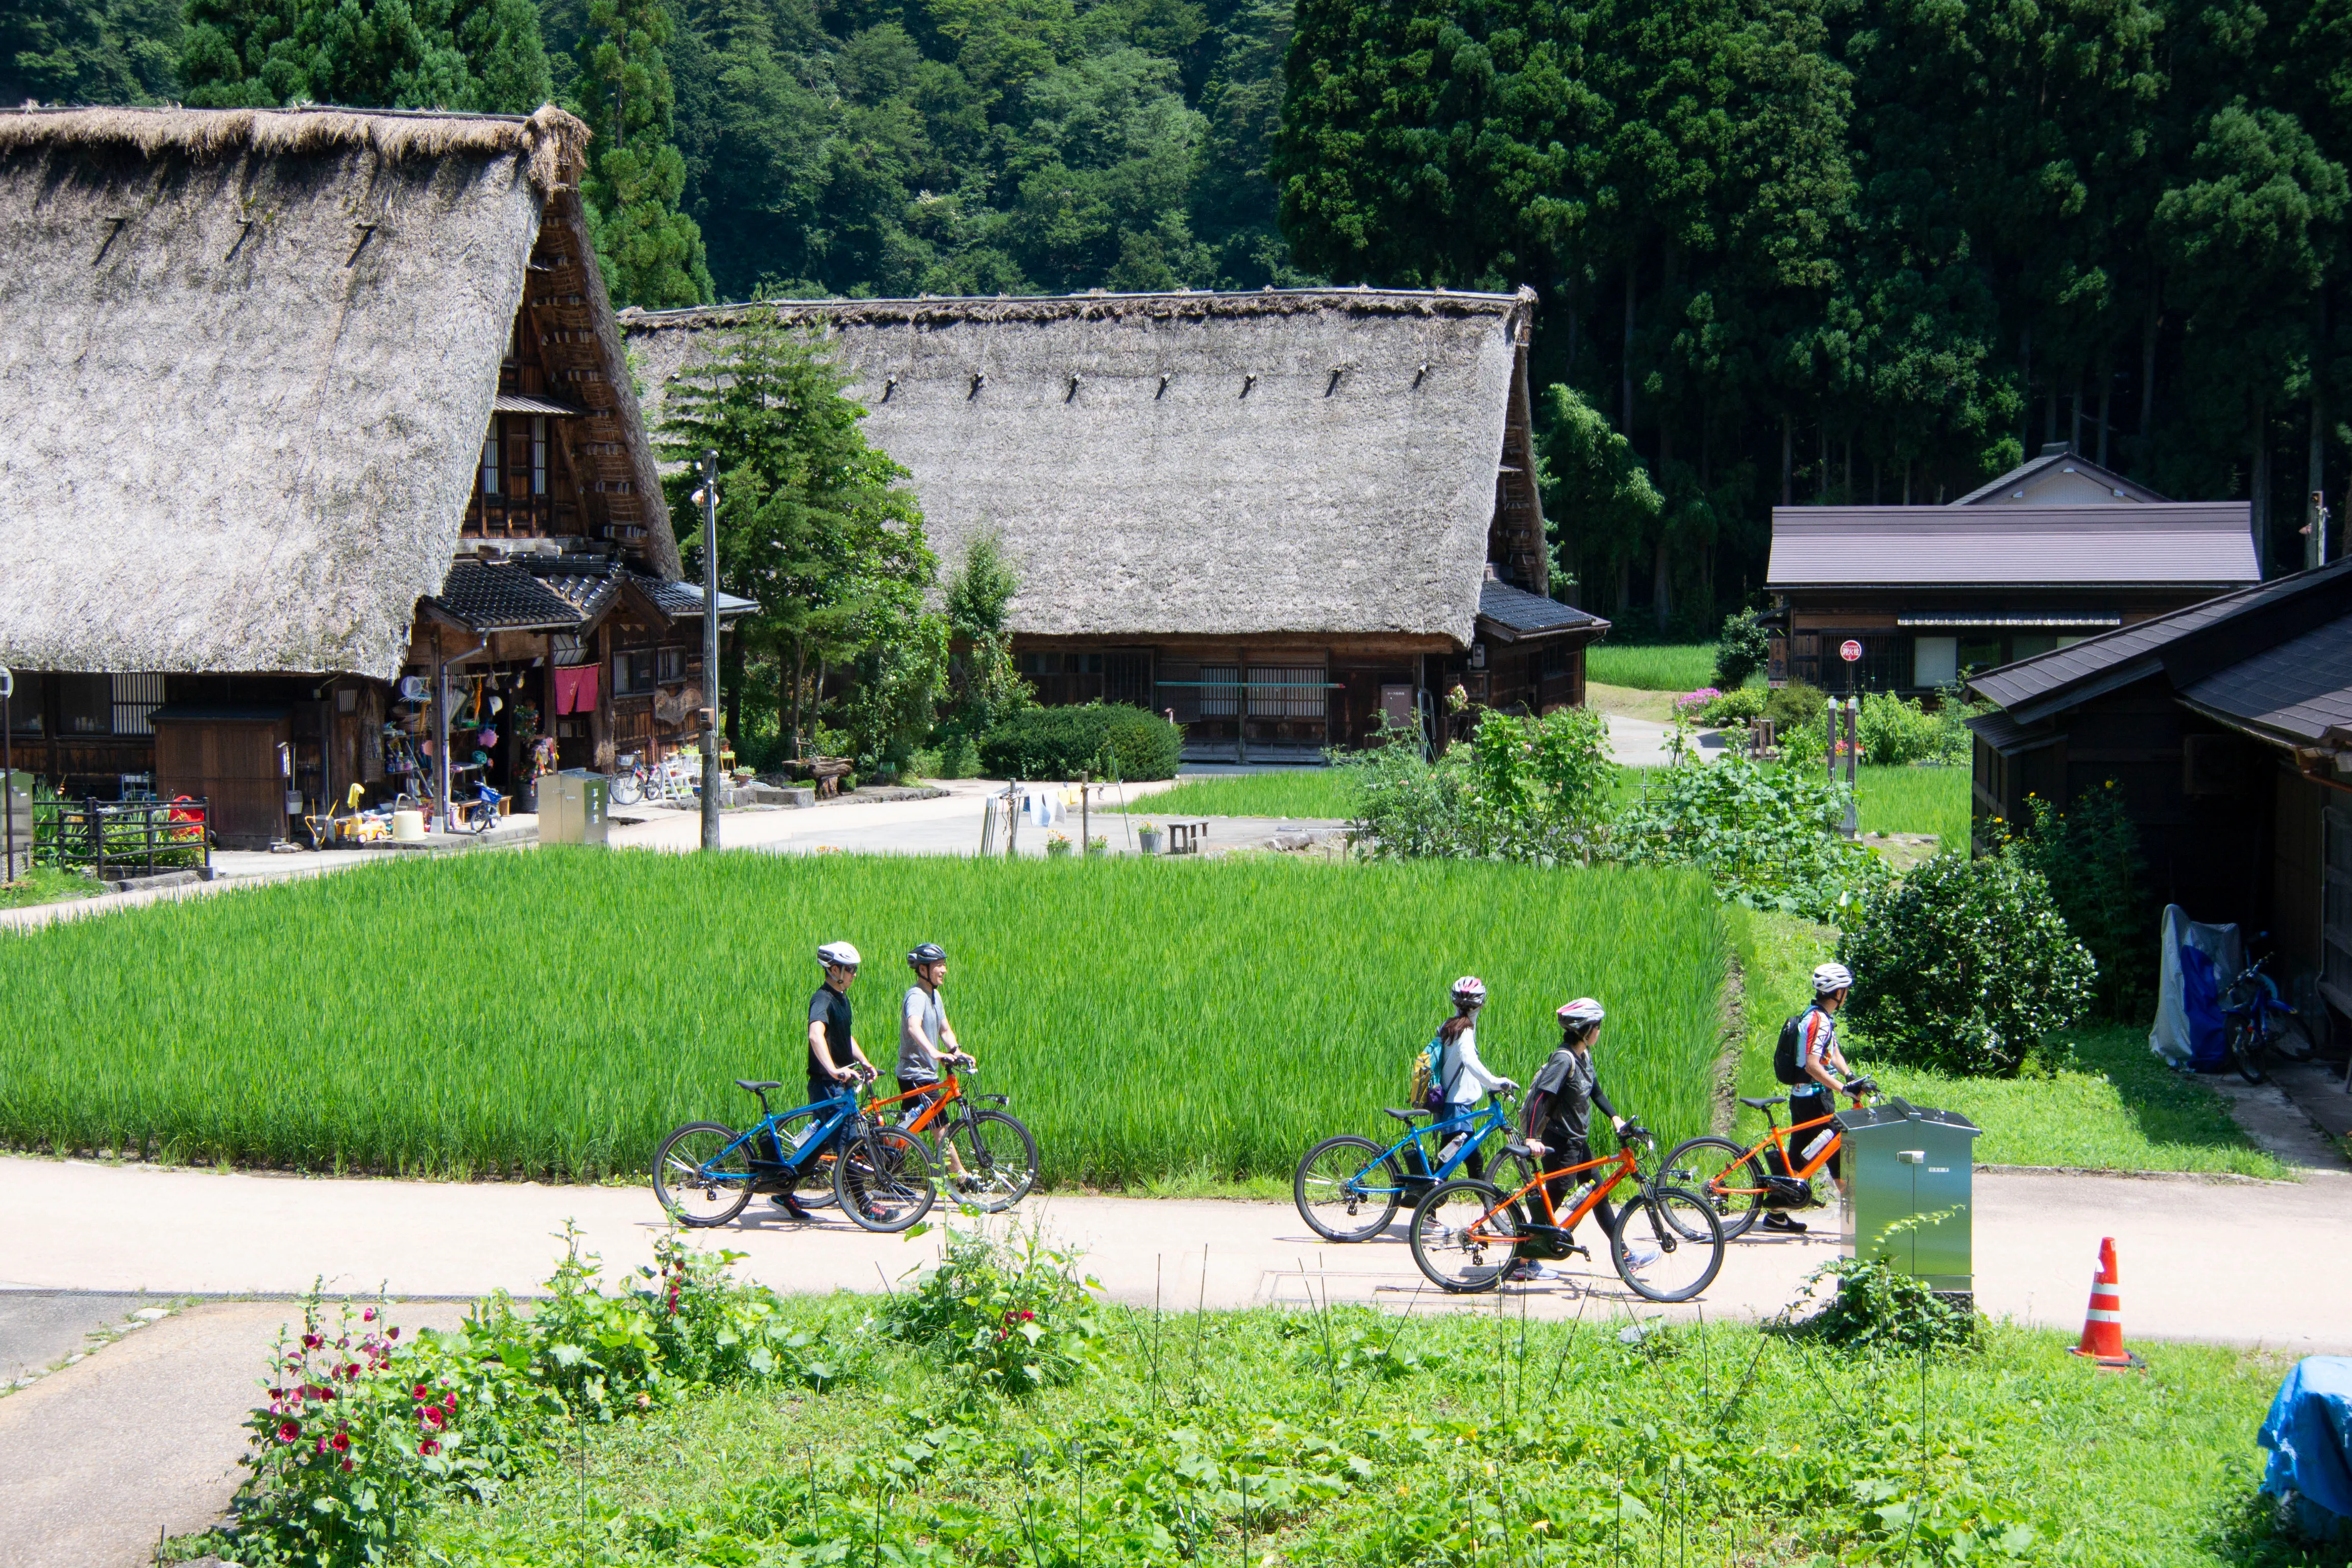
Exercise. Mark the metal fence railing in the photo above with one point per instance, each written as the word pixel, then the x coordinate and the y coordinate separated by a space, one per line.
pixel 102 836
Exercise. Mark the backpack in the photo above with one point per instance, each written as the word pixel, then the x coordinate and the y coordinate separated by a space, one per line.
pixel 1787 1056
pixel 1425 1063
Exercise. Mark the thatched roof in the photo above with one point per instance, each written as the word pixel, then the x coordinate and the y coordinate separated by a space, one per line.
pixel 251 357
pixel 1313 460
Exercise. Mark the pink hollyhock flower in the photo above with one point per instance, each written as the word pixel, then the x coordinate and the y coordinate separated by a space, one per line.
pixel 368 1316
pixel 422 1391
pixel 310 1342
pixel 342 1443
pixel 288 1432
pixel 451 1402
pixel 428 1448
pixel 430 1415
pixel 393 1332
pixel 347 1464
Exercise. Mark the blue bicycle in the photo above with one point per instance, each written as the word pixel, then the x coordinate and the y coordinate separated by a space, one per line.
pixel 881 1175
pixel 2255 1020
pixel 1348 1188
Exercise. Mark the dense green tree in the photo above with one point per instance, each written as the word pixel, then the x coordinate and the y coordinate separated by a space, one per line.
pixel 475 55
pixel 90 51
pixel 814 525
pixel 652 253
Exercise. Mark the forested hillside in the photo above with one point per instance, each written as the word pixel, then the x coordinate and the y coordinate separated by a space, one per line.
pixel 1788 250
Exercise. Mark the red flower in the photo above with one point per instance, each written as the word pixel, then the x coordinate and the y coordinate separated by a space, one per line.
pixel 394 1333
pixel 423 1393
pixel 368 1316
pixel 451 1402
pixel 309 1341
pixel 1028 1317
pixel 428 1448
pixel 430 1415
pixel 287 1431
pixel 347 1464
pixel 340 1443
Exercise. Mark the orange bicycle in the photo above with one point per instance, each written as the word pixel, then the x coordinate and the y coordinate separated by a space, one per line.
pixel 991 1159
pixel 1743 1184
pixel 1667 1243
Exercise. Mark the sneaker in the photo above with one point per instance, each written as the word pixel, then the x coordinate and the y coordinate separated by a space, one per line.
pixel 1525 1271
pixel 1638 1256
pixel 792 1206
pixel 1783 1223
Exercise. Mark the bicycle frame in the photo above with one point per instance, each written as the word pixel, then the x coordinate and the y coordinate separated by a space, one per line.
pixel 1622 1164
pixel 950 1091
pixel 823 1130
pixel 1491 1114
pixel 1777 1136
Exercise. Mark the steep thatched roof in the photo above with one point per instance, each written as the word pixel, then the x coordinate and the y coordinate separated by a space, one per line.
pixel 251 355
pixel 1314 460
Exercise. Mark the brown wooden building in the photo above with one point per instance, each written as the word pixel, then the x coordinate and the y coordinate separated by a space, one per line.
pixel 2048 554
pixel 2228 727
pixel 1278 516
pixel 327 464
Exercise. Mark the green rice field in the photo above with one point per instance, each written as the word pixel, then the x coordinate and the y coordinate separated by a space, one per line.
pixel 1292 791
pixel 1916 799
pixel 1661 666
pixel 556 1013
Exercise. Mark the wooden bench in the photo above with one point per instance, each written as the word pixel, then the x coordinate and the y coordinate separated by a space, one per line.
pixel 1184 837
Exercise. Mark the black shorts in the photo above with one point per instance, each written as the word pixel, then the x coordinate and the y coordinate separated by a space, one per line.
pixel 1803 1107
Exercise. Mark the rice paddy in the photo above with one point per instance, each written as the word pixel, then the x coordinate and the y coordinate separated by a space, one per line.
pixel 1916 799
pixel 1291 792
pixel 553 1013
pixel 1659 667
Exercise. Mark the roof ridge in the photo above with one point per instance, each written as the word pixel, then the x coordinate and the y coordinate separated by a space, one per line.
pixel 1177 301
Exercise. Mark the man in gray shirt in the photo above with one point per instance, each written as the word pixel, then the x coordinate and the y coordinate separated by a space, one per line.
pixel 926 1040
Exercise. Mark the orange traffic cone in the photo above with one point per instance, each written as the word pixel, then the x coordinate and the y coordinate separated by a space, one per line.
pixel 2103 1325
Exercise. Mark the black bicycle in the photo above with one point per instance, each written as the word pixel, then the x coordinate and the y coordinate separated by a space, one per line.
pixel 2254 1019
pixel 881 1175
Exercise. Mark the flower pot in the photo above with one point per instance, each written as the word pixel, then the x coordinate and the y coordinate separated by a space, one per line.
pixel 1150 840
pixel 1057 847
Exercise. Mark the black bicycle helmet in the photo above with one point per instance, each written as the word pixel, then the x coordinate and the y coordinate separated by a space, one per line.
pixel 929 953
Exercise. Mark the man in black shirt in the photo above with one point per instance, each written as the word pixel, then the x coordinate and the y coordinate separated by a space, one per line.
pixel 1557 1123
pixel 835 1062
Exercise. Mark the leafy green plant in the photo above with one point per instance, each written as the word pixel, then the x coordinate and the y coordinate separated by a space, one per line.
pixel 1766 836
pixel 2090 857
pixel 1009 1317
pixel 1795 706
pixel 1742 649
pixel 1100 740
pixel 1737 706
pixel 1892 731
pixel 1964 965
pixel 1875 1306
pixel 1530 790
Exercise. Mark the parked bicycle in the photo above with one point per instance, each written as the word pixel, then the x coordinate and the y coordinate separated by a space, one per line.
pixel 1668 1245
pixel 1743 1184
pixel 881 1175
pixel 1349 1188
pixel 991 1158
pixel 672 782
pixel 481 814
pixel 2254 1019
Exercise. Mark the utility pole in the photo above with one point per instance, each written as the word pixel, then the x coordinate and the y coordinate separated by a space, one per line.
pixel 709 496
pixel 7 774
pixel 2315 531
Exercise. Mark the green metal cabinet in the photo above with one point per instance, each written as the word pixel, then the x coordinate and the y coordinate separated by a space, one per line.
pixel 1904 1160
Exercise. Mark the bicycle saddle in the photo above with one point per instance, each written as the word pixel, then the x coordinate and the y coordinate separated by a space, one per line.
pixel 1405 1116
pixel 750 1087
pixel 1760 1104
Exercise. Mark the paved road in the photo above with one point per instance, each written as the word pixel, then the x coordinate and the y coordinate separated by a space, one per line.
pixel 2236 1262
pixel 39 1328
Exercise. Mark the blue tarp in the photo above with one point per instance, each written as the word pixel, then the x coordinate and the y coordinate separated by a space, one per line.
pixel 2197 961
pixel 2309 1435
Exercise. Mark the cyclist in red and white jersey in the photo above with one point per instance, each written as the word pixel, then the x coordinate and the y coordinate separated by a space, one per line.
pixel 1822 1062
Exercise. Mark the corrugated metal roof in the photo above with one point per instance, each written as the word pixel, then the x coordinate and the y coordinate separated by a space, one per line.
pixel 1520 614
pixel 2298 690
pixel 2057 623
pixel 2009 737
pixel 1993 491
pixel 2146 544
pixel 683 601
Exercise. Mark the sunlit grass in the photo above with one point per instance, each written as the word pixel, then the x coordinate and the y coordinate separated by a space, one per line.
pixel 557 1012
pixel 1662 667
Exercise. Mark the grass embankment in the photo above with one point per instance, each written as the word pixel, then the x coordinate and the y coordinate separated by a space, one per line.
pixel 1291 792
pixel 1450 1437
pixel 2116 1108
pixel 559 1012
pixel 45 885
pixel 1660 667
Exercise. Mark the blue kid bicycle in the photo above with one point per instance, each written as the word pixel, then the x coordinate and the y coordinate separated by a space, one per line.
pixel 1348 1188
pixel 881 1175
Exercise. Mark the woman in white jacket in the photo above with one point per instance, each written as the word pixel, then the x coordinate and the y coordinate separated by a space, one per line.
pixel 1462 1078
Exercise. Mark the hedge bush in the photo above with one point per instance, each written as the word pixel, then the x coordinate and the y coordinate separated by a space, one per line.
pixel 1065 742
pixel 1964 965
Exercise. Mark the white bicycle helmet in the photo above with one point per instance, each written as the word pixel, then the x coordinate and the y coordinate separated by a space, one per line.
pixel 1469 991
pixel 1832 977
pixel 840 952
pixel 1581 1013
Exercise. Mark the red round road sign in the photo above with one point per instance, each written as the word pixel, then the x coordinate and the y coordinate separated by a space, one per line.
pixel 1850 651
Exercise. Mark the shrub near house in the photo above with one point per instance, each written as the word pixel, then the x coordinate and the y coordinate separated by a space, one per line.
pixel 1097 741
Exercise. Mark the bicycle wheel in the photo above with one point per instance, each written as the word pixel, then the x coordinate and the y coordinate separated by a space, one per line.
pixel 883 1178
pixel 2246 1049
pixel 999 1159
pixel 626 790
pixel 699 1179
pixel 1729 1177
pixel 1345 1189
pixel 1668 1245
pixel 1464 1236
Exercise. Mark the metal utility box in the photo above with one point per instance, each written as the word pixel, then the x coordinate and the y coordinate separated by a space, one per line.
pixel 1904 1160
pixel 19 788
pixel 575 808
